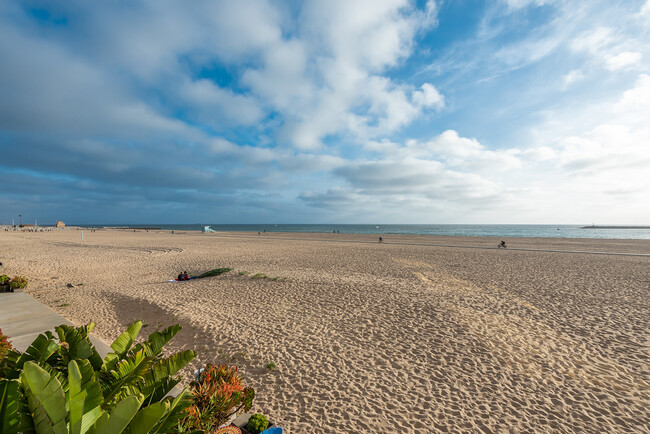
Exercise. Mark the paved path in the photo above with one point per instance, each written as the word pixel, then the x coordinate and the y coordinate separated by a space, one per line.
pixel 22 318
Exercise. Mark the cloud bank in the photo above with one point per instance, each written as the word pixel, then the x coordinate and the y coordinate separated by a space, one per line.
pixel 365 111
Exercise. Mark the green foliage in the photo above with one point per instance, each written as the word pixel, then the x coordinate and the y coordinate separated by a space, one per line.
pixel 215 272
pixel 270 365
pixel 259 276
pixel 4 279
pixel 257 423
pixel 61 385
pixel 5 345
pixel 18 282
pixel 218 393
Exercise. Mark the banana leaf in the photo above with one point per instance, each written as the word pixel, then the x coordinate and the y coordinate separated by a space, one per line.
pixel 124 342
pixel 9 416
pixel 45 398
pixel 157 340
pixel 176 412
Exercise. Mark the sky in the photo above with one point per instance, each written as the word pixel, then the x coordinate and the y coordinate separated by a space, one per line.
pixel 337 111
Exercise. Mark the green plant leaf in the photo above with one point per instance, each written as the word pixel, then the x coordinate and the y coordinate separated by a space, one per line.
pixel 159 380
pixel 165 368
pixel 84 396
pixel 45 399
pixel 125 376
pixel 90 384
pixel 123 413
pixel 9 416
pixel 79 344
pixel 157 340
pixel 39 351
pixel 177 407
pixel 89 419
pixel 124 342
pixel 147 418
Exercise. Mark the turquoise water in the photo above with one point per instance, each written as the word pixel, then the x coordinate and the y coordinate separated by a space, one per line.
pixel 502 231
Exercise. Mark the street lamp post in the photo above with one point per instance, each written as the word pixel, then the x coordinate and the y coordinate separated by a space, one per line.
pixel 20 220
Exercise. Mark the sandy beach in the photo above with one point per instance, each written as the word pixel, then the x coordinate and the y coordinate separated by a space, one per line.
pixel 418 334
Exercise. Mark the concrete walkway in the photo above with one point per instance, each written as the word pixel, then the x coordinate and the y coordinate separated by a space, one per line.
pixel 23 318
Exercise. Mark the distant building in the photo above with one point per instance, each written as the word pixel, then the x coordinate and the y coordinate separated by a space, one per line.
pixel 60 224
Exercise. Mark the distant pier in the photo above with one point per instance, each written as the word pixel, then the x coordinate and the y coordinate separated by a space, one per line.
pixel 615 227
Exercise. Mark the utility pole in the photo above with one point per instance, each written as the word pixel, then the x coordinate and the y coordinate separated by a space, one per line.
pixel 20 221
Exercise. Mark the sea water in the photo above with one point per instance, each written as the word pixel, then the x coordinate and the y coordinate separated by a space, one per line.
pixel 501 231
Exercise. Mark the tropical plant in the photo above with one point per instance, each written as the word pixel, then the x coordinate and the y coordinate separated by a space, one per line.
pixel 5 345
pixel 61 385
pixel 218 394
pixel 4 279
pixel 257 423
pixel 18 282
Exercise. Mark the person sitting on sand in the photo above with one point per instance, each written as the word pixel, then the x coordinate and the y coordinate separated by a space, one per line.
pixel 381 240
pixel 180 276
pixel 502 244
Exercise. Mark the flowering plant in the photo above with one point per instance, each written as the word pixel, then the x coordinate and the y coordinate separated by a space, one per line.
pixel 219 393
pixel 18 282
pixel 4 279
pixel 5 345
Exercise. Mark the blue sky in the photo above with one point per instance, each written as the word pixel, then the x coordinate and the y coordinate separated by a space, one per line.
pixel 365 111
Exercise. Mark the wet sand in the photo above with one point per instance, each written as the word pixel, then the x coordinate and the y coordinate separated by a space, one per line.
pixel 418 334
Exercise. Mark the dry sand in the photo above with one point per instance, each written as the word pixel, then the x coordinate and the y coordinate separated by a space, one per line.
pixel 378 338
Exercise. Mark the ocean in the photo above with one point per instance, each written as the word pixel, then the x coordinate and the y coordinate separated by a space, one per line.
pixel 501 231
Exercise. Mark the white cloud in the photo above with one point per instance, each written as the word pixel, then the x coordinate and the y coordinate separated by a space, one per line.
pixel 573 76
pixel 428 97
pixel 609 48
pixel 622 60
pixel 325 80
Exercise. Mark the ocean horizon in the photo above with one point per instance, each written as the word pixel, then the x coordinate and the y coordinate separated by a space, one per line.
pixel 469 230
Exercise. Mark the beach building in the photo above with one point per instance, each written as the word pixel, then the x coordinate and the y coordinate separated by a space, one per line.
pixel 60 224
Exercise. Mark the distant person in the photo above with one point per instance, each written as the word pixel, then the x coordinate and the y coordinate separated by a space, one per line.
pixel 381 240
pixel 502 244
pixel 180 276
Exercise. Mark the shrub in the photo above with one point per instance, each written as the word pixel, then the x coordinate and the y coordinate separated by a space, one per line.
pixel 4 279
pixel 257 423
pixel 215 272
pixel 5 345
pixel 270 365
pixel 18 282
pixel 219 393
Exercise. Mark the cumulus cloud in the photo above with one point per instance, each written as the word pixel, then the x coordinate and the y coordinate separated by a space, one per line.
pixel 253 104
